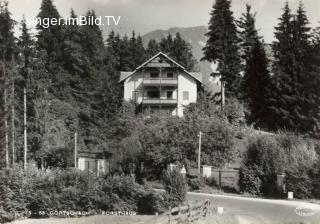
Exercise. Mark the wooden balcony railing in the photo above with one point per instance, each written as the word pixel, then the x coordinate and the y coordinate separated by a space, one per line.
pixel 160 81
pixel 156 101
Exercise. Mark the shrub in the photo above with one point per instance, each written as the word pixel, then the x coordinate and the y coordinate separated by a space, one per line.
pixel 268 156
pixel 175 187
pixel 196 183
pixel 69 190
pixel 249 181
pixel 150 203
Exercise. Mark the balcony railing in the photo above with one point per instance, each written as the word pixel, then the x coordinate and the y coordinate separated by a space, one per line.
pixel 156 101
pixel 160 81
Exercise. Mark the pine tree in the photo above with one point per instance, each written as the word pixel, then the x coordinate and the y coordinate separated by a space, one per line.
pixel 314 83
pixel 256 85
pixel 301 75
pixel 256 81
pixel 181 52
pixel 283 99
pixel 166 44
pixel 7 48
pixel 50 38
pixel 152 48
pixel 125 54
pixel 292 100
pixel 222 46
pixel 248 33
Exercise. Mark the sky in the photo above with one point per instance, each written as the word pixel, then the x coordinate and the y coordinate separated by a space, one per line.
pixel 144 16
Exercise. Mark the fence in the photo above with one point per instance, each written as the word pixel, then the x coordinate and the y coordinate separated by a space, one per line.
pixel 188 213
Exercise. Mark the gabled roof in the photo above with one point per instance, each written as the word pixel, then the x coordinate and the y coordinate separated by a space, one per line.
pixel 196 75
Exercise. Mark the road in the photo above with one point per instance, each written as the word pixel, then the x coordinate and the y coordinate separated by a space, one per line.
pixel 263 211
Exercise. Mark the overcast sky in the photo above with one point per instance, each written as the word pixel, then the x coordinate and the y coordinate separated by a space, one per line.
pixel 146 15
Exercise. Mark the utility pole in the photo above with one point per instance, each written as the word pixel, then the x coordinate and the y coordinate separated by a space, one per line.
pixel 6 128
pixel 223 98
pixel 75 149
pixel 199 153
pixel 25 128
pixel 12 124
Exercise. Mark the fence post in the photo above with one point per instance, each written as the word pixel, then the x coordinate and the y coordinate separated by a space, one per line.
pixel 156 218
pixel 169 214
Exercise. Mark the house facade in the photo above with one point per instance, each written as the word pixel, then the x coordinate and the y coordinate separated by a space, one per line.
pixel 161 84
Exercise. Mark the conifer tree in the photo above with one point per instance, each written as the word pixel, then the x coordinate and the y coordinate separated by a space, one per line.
pixel 50 38
pixel 152 48
pixel 248 33
pixel 256 81
pixel 166 44
pixel 292 99
pixel 283 99
pixel 7 48
pixel 222 46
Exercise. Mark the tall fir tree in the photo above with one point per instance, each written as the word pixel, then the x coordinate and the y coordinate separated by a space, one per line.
pixel 7 78
pixel 256 80
pixel 292 100
pixel 50 39
pixel 152 48
pixel 314 83
pixel 282 99
pixel 247 32
pixel 222 46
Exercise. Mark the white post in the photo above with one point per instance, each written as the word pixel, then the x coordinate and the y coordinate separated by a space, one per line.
pixel 199 153
pixel 75 149
pixel 223 99
pixel 6 128
pixel 13 124
pixel 25 128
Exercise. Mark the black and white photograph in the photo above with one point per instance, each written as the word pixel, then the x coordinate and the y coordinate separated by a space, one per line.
pixel 160 111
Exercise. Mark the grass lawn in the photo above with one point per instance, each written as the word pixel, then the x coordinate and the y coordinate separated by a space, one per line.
pixel 98 219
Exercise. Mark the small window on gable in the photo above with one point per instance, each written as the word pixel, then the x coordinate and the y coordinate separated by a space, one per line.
pixel 185 95
pixel 170 75
pixel 154 75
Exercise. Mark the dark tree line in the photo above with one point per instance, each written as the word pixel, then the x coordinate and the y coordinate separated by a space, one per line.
pixel 280 93
pixel 130 52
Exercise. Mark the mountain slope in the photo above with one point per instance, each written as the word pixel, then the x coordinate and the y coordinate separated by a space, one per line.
pixel 194 35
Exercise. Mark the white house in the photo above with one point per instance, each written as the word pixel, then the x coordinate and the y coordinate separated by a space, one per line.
pixel 160 83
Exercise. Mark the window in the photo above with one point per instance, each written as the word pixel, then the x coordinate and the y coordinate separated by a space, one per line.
pixel 153 94
pixel 170 75
pixel 135 95
pixel 169 94
pixel 185 95
pixel 154 75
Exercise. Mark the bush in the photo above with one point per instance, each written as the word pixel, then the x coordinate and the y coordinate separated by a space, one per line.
pixel 150 203
pixel 175 187
pixel 35 190
pixel 196 183
pixel 249 181
pixel 268 156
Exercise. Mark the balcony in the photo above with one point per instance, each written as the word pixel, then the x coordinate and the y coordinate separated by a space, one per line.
pixel 157 101
pixel 160 81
